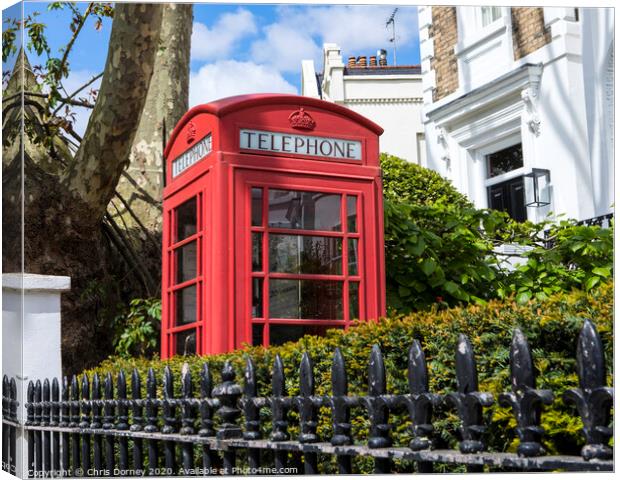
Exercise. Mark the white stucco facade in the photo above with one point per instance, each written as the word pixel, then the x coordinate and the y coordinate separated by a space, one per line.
pixel 557 102
pixel 390 97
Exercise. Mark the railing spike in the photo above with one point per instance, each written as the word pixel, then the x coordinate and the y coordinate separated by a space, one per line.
pixel 250 410
pixel 206 411
pixel 96 396
pixel 466 371
pixel 590 357
pixel 340 384
pixel 151 407
pixel 376 372
pixel 277 378
pixel 306 376
pixel 417 373
pixel 123 409
pixel 136 395
pixel 188 394
pixel 108 409
pixel 45 415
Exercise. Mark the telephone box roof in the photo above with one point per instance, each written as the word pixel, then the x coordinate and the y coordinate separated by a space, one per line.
pixel 224 106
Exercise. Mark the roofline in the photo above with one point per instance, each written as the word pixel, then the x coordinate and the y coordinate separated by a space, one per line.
pixel 221 108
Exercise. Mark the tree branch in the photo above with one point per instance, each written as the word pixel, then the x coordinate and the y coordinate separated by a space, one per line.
pixel 69 46
pixel 62 100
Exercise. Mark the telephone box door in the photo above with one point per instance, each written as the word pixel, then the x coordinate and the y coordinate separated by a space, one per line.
pixel 303 255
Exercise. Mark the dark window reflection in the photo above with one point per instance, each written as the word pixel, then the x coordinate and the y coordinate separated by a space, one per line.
pixel 309 299
pixel 257 298
pixel 352 213
pixel 305 254
pixel 505 160
pixel 257 334
pixel 186 342
pixel 257 252
pixel 304 210
pixel 279 334
pixel 352 253
pixel 186 262
pixel 185 299
pixel 354 300
pixel 257 207
pixel 186 219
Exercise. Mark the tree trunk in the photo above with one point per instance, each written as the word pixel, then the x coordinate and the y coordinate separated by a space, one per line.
pixel 104 152
pixel 166 102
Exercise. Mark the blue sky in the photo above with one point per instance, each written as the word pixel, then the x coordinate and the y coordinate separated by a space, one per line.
pixel 239 48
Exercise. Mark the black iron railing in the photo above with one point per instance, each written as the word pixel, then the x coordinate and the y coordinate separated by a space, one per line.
pixel 89 429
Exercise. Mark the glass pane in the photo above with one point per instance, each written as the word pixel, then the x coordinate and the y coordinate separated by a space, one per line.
pixel 352 213
pixel 257 298
pixel 257 334
pixel 186 342
pixel 305 254
pixel 353 256
pixel 354 300
pixel 186 262
pixel 257 207
pixel 490 14
pixel 505 160
pixel 310 299
pixel 257 252
pixel 186 219
pixel 185 305
pixel 304 210
pixel 279 334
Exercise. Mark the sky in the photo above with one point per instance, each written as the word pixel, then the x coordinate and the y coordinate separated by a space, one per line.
pixel 242 48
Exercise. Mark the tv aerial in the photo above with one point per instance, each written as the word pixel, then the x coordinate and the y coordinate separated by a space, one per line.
pixel 392 40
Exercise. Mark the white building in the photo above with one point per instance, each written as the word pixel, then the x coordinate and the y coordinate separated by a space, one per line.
pixel 509 92
pixel 390 96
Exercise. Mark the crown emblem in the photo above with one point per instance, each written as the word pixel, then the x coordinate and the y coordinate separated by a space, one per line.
pixel 191 132
pixel 301 120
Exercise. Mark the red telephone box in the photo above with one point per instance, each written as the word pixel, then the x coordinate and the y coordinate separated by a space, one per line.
pixel 273 223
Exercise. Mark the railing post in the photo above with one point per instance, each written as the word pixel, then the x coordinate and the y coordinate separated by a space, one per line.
pixel 279 409
pixel 420 403
pixel 73 423
pixel 122 422
pixel 251 412
pixel 468 401
pixel 96 423
pixel 108 420
pixel 525 400
pixel 85 423
pixel 209 457
pixel 593 398
pixel 38 435
pixel 187 448
pixel 228 393
pixel 379 436
pixel 307 405
pixel 341 415
pixel 64 422
pixel 151 419
pixel 54 422
pixel 45 421
pixel 136 424
pixel 30 421
pixel 169 413
pixel 13 430
pixel 5 428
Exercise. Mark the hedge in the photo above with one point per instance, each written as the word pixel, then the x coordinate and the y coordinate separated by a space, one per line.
pixel 551 326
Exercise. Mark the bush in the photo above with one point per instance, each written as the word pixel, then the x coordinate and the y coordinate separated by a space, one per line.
pixel 137 328
pixel 551 326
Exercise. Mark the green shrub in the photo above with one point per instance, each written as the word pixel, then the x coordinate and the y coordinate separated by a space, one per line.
pixel 137 328
pixel 551 326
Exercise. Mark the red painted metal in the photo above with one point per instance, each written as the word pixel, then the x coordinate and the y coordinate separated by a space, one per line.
pixel 221 245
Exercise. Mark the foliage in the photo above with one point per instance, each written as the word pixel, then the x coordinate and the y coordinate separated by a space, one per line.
pixel 551 326
pixel 137 329
pixel 407 182
pixel 440 250
pixel 576 256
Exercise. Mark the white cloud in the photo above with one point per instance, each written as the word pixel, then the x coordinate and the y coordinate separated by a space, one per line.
pixel 284 46
pixel 225 78
pixel 218 41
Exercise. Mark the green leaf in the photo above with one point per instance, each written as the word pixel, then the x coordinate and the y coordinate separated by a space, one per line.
pixel 428 266
pixel 523 297
pixel 591 282
pixel 602 271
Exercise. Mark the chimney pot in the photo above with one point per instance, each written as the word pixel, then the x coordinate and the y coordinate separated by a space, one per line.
pixel 382 57
pixel 361 61
pixel 351 62
pixel 373 61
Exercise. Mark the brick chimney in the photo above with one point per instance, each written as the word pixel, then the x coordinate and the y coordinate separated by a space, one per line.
pixel 373 61
pixel 361 61
pixel 351 62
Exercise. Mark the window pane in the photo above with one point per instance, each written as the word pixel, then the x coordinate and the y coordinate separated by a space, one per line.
pixel 186 262
pixel 490 14
pixel 257 207
pixel 279 334
pixel 257 252
pixel 257 334
pixel 186 219
pixel 257 298
pixel 505 160
pixel 304 210
pixel 310 299
pixel 354 300
pixel 352 213
pixel 185 305
pixel 352 256
pixel 305 254
pixel 186 342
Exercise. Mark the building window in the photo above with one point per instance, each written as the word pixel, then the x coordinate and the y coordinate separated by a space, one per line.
pixel 305 271
pixel 489 14
pixel 505 187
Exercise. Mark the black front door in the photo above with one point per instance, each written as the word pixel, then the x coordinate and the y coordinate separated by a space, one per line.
pixel 509 196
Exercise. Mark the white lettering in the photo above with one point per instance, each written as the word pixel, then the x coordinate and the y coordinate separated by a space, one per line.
pixel 300 144
pixel 192 156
